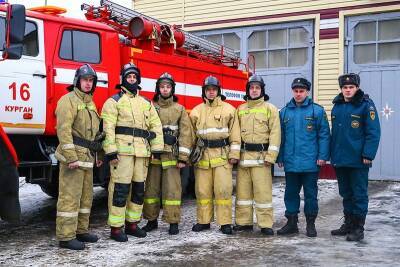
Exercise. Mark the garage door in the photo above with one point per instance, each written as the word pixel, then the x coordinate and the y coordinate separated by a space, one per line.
pixel 373 51
pixel 282 53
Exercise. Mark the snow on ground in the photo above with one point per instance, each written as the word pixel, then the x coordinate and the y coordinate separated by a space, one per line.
pixel 33 242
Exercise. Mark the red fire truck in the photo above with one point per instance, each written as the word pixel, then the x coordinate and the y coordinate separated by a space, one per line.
pixel 54 46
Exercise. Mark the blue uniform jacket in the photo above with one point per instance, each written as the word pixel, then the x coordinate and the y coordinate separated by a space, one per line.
pixel 355 131
pixel 305 136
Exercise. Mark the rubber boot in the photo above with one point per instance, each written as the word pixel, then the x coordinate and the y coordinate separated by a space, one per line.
pixel 226 229
pixel 267 231
pixel 131 228
pixel 310 229
pixel 150 226
pixel 118 234
pixel 238 227
pixel 73 244
pixel 357 231
pixel 290 226
pixel 344 228
pixel 87 237
pixel 173 229
pixel 198 227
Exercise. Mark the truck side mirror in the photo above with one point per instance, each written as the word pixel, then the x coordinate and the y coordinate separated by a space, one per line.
pixel 15 31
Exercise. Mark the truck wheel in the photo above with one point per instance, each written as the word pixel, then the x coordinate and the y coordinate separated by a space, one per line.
pixel 51 189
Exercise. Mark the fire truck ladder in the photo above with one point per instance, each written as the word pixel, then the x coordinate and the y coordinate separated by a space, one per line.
pixel 118 17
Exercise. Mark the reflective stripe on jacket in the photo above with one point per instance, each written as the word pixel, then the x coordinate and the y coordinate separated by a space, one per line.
pixel 259 124
pixel 214 121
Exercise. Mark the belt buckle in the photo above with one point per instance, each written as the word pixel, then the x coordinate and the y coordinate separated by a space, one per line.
pixel 262 147
pixel 244 146
pixel 148 135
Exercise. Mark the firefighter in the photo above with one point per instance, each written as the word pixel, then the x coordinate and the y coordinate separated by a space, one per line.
pixel 304 149
pixel 164 177
pixel 218 147
pixel 77 128
pixel 10 209
pixel 261 137
pixel 133 131
pixel 355 140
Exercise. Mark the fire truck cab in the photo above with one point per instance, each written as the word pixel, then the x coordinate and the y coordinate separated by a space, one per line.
pixel 54 46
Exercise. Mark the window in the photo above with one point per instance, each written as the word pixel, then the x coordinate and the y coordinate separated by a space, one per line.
pixel 230 40
pixel 279 48
pixel 30 42
pixel 377 42
pixel 80 46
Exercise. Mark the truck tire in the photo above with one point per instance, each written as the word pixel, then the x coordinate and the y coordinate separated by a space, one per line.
pixel 51 189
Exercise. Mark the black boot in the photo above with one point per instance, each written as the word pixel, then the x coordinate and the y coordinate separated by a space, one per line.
pixel 131 228
pixel 357 231
pixel 73 244
pixel 290 227
pixel 226 229
pixel 87 237
pixel 173 229
pixel 118 234
pixel 238 227
pixel 311 231
pixel 198 227
pixel 267 231
pixel 345 228
pixel 150 226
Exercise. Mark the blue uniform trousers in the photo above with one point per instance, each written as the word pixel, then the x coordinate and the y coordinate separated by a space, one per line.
pixel 353 188
pixel 294 182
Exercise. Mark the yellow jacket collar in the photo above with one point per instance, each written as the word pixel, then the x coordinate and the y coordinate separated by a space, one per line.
pixel 216 102
pixel 165 102
pixel 86 98
pixel 253 103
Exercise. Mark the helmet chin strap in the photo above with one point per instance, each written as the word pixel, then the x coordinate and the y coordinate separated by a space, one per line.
pixel 210 100
pixel 166 97
pixel 130 87
pixel 256 98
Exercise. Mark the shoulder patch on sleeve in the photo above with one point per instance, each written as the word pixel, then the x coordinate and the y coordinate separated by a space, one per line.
pixel 372 114
pixel 117 96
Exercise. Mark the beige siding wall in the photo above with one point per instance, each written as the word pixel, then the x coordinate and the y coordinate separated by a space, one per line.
pixel 327 71
pixel 195 11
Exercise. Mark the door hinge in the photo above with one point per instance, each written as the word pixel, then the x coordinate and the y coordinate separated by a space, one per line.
pixel 347 40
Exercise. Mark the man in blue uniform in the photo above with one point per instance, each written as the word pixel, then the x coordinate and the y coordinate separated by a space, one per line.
pixel 304 148
pixel 355 139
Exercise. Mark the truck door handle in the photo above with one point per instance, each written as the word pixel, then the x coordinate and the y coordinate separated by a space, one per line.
pixel 102 81
pixel 39 75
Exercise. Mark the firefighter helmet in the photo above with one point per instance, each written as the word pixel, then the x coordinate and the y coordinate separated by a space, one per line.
pixel 128 69
pixel 165 77
pixel 256 79
pixel 84 71
pixel 211 81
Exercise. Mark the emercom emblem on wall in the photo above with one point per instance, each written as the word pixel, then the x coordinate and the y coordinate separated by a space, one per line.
pixel 387 111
